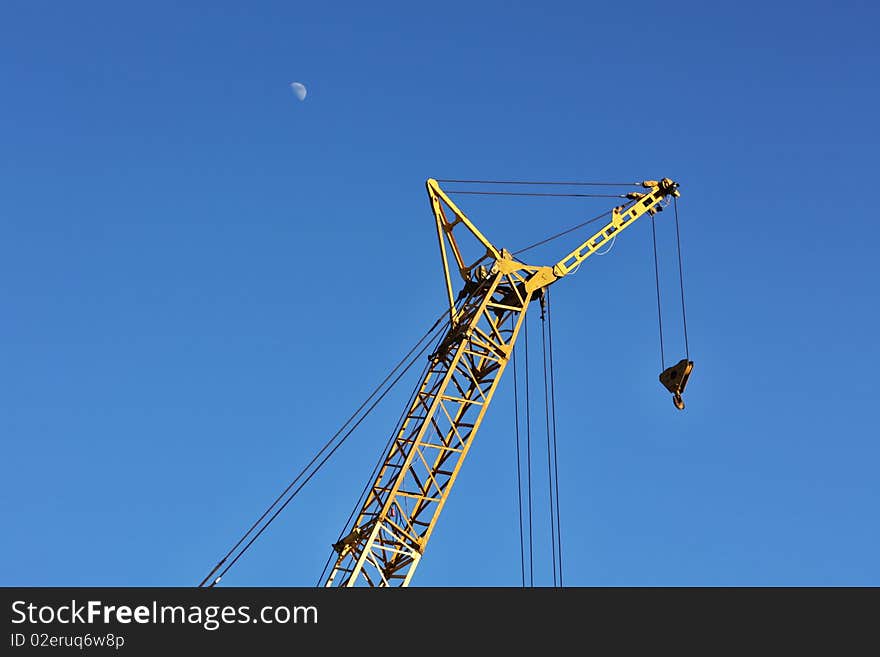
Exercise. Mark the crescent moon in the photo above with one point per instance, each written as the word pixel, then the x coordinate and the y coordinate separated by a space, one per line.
pixel 299 90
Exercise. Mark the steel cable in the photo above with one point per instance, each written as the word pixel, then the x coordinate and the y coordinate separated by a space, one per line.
pixel 316 457
pixel 542 182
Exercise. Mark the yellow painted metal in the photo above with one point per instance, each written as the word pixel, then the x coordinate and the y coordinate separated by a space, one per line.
pixel 675 379
pixel 435 192
pixel 621 217
pixel 445 234
pixel 411 488
pixel 389 535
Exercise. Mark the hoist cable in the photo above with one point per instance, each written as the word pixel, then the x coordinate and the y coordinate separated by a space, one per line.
pixel 657 280
pixel 318 455
pixel 563 233
pixel 681 280
pixel 522 548
pixel 529 453
pixel 549 442
pixel 315 471
pixel 382 456
pixel 482 193
pixel 372 478
pixel 555 454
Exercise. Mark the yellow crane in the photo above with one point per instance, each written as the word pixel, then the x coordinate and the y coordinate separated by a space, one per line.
pixel 390 533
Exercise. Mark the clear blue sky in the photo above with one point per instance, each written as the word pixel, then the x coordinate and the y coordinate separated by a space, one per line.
pixel 201 277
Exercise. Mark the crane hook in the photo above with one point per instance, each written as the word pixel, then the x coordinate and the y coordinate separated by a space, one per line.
pixel 675 378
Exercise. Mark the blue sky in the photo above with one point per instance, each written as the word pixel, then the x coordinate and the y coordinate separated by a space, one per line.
pixel 203 277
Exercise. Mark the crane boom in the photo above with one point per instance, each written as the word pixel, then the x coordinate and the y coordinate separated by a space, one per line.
pixel 400 512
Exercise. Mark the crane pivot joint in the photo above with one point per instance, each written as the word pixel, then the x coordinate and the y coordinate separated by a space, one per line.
pixel 344 545
pixel 669 187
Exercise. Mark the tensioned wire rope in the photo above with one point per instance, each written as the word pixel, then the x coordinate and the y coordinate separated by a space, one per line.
pixel 587 222
pixel 545 194
pixel 680 283
pixel 431 331
pixel 552 460
pixel 555 452
pixel 542 194
pixel 535 183
pixel 529 453
pixel 372 478
pixel 527 553
pixel 327 446
pixel 540 182
pixel 549 394
pixel 522 549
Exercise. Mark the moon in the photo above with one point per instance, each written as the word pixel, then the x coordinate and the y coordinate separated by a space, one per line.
pixel 299 89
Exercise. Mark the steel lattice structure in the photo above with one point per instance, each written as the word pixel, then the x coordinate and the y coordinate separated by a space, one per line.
pixel 401 510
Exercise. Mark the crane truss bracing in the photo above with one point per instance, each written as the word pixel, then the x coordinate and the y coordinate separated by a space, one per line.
pixel 400 512
pixel 413 484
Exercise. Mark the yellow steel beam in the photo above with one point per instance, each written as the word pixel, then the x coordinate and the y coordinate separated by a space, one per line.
pixel 389 535
pixel 621 217
pixel 428 450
